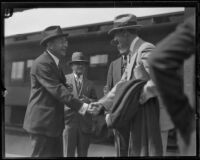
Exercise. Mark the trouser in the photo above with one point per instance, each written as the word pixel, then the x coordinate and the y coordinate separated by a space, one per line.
pixel 122 141
pixel 74 138
pixel 164 136
pixel 44 146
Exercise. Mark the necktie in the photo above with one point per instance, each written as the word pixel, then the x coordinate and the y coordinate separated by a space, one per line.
pixel 125 69
pixel 124 64
pixel 78 84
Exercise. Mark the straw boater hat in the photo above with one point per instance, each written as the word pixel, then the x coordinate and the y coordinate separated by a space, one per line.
pixel 78 57
pixel 125 21
pixel 50 33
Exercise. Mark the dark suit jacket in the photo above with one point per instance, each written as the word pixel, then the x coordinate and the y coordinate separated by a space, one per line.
pixel 114 73
pixel 45 111
pixel 71 116
pixel 168 57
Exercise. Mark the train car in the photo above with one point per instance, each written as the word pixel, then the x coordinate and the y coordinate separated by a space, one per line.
pixel 92 40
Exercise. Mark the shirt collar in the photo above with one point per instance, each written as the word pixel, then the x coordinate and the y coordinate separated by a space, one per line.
pixel 78 78
pixel 54 57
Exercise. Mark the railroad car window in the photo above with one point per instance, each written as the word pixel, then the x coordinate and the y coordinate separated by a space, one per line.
pixel 29 63
pixel 17 72
pixel 98 67
pixel 98 60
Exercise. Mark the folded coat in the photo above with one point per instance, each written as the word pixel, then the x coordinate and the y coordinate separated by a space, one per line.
pixel 145 137
pixel 121 111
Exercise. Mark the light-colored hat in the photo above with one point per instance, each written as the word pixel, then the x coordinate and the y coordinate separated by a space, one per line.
pixel 51 32
pixel 78 57
pixel 125 21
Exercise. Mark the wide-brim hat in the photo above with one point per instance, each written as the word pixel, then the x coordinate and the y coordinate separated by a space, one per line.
pixel 52 32
pixel 125 21
pixel 78 57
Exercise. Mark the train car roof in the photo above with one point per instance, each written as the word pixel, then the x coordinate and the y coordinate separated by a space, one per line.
pixel 97 28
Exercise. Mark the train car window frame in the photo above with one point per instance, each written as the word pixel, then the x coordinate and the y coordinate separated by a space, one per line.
pixel 28 63
pixel 17 71
pixel 99 63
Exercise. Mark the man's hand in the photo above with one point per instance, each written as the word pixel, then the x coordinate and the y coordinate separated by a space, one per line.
pixel 95 108
pixel 148 91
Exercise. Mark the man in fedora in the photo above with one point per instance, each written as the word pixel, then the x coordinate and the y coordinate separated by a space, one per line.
pixel 78 128
pixel 137 52
pixel 44 118
pixel 114 75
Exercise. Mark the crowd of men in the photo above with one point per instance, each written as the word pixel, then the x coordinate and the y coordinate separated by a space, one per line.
pixel 143 98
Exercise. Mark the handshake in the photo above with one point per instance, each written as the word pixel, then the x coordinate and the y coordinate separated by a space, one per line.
pixel 95 108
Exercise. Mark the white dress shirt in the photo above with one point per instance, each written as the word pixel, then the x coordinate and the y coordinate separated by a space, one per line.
pixel 78 78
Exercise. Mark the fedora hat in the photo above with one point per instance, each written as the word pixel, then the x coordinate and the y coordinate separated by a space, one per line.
pixel 125 21
pixel 78 57
pixel 51 32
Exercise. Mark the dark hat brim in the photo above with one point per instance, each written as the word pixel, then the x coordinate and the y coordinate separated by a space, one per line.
pixel 113 30
pixel 78 61
pixel 44 40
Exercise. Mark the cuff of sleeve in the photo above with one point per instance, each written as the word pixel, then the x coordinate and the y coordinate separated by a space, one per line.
pixel 83 109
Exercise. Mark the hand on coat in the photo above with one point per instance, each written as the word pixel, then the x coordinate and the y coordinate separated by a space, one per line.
pixel 148 91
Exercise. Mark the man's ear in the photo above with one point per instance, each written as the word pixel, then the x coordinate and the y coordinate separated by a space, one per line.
pixel 48 44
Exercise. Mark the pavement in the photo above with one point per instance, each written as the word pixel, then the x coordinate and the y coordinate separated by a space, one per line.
pixel 19 145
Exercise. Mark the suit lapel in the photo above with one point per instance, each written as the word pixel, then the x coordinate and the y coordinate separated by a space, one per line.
pixel 134 57
pixel 57 71
pixel 83 86
pixel 50 58
pixel 118 68
pixel 52 61
pixel 75 91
